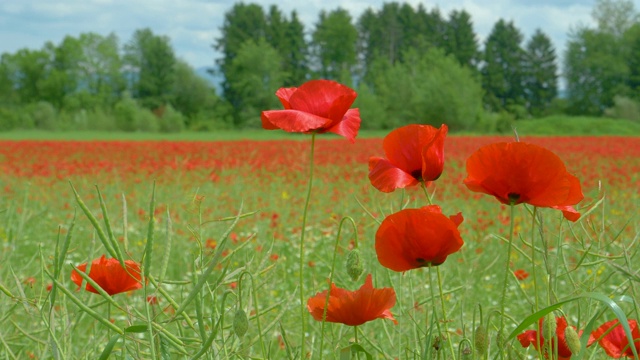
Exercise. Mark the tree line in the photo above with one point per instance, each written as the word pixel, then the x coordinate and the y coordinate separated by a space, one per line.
pixel 408 64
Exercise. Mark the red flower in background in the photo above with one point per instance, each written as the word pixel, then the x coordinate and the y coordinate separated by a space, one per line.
pixel 354 308
pixel 521 274
pixel 529 338
pixel 615 343
pixel 414 238
pixel 524 173
pixel 414 153
pixel 317 105
pixel 111 277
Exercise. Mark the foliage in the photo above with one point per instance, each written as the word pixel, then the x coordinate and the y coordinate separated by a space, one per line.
pixel 595 71
pixel 334 45
pixel 462 41
pixel 151 60
pixel 503 73
pixel 430 89
pixel 541 79
pixel 624 108
pixel 255 74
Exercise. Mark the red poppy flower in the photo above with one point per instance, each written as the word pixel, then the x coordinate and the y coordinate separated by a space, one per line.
pixel 111 277
pixel 354 308
pixel 317 105
pixel 529 338
pixel 521 274
pixel 414 238
pixel 615 343
pixel 518 172
pixel 414 153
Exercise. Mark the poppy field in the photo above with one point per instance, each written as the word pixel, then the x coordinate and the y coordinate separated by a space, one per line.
pixel 421 245
pixel 201 187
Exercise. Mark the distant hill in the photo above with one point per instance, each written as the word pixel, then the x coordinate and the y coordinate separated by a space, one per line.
pixel 215 80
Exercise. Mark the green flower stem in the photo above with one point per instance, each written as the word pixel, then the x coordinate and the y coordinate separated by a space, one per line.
pixel 302 232
pixel 444 312
pixel 533 274
pixel 424 188
pixel 504 284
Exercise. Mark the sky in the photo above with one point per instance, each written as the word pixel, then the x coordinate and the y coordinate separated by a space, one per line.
pixel 193 25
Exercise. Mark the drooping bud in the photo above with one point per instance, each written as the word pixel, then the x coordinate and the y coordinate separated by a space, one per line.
pixel 354 265
pixel 573 340
pixel 240 323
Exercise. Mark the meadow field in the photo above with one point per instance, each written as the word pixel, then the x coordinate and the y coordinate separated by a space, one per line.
pixel 216 225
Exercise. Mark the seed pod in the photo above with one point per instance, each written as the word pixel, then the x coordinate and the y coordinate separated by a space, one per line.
pixel 481 339
pixel 573 340
pixel 354 265
pixel 240 323
pixel 549 327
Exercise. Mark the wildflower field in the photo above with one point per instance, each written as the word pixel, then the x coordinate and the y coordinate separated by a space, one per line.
pixel 416 246
pixel 201 187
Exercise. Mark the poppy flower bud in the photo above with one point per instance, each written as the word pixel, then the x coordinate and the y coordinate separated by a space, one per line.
pixel 240 323
pixel 572 339
pixel 549 326
pixel 354 265
pixel 481 339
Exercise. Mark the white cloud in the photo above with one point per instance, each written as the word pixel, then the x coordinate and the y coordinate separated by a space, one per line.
pixel 193 25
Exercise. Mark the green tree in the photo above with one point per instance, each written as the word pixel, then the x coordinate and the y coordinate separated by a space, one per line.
pixel 242 23
pixel 255 74
pixel 615 17
pixel 62 73
pixel 192 94
pixel 632 44
pixel 462 42
pixel 595 71
pixel 334 45
pixel 101 69
pixel 152 61
pixel 541 80
pixel 431 88
pixel 296 54
pixel 503 73
pixel 26 70
pixel 287 37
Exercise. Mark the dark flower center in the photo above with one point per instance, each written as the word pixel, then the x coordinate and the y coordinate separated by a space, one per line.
pixel 513 198
pixel 418 175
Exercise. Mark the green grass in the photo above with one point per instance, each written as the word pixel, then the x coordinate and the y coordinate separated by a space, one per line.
pixel 557 125
pixel 577 125
pixel 218 135
pixel 598 254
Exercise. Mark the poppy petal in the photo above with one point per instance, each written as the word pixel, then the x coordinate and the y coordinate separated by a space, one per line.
pixel 413 238
pixel 291 120
pixel 323 98
pixel 614 341
pixel 386 177
pixel 433 156
pixel 284 94
pixel 569 212
pixel 520 172
pixel 354 308
pixel 404 146
pixel 349 125
pixel 110 275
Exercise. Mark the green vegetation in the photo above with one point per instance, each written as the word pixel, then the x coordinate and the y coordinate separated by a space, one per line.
pixel 409 65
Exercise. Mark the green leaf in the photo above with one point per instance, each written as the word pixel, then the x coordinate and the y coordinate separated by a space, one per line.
pixel 348 352
pixel 140 328
pixel 109 348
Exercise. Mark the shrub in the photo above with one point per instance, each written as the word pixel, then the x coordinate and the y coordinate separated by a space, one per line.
pixel 624 108
pixel 432 88
pixel 171 120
